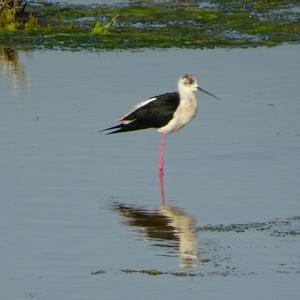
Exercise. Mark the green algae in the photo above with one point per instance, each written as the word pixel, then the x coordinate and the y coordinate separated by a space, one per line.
pixel 104 29
pixel 277 227
pixel 181 25
pixel 152 272
pixel 155 272
pixel 99 272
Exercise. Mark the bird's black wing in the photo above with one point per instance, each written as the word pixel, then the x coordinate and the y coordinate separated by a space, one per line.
pixel 153 114
pixel 156 113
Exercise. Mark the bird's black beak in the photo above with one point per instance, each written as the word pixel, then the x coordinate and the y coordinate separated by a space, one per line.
pixel 208 93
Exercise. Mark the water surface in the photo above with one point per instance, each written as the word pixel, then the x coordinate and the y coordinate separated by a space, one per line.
pixel 74 201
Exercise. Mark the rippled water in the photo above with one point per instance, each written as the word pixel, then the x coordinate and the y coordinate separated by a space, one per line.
pixel 80 212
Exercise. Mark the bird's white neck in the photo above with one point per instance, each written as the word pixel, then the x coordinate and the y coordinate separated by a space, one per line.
pixel 186 97
pixel 184 113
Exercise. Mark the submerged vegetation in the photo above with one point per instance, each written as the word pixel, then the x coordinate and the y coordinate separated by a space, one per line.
pixel 186 24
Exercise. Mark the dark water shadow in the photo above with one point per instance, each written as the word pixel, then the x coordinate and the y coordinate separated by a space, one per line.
pixel 169 228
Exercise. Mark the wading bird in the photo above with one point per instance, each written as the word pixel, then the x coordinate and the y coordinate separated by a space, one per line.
pixel 166 113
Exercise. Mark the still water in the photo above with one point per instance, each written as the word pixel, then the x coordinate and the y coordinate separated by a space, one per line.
pixel 80 213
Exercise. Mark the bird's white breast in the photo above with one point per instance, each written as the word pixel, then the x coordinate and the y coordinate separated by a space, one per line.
pixel 185 113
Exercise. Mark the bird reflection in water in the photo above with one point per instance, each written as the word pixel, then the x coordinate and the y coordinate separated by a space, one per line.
pixel 167 227
pixel 11 65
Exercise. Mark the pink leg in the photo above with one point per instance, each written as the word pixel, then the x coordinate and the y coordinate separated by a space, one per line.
pixel 161 168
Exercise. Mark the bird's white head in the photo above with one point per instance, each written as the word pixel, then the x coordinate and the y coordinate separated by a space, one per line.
pixel 188 84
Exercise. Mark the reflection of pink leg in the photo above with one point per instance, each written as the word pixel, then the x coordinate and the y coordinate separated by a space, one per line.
pixel 162 188
pixel 161 168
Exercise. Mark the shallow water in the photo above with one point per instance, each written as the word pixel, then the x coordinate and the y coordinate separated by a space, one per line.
pixel 75 202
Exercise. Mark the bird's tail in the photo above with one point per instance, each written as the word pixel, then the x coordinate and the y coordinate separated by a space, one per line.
pixel 118 127
pixel 126 127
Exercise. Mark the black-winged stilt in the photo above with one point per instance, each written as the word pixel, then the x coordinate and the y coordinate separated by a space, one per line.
pixel 166 113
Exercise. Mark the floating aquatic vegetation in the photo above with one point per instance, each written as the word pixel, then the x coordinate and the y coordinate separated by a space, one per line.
pixel 99 272
pixel 183 24
pixel 276 227
pixel 155 272
pixel 32 24
pixel 104 29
